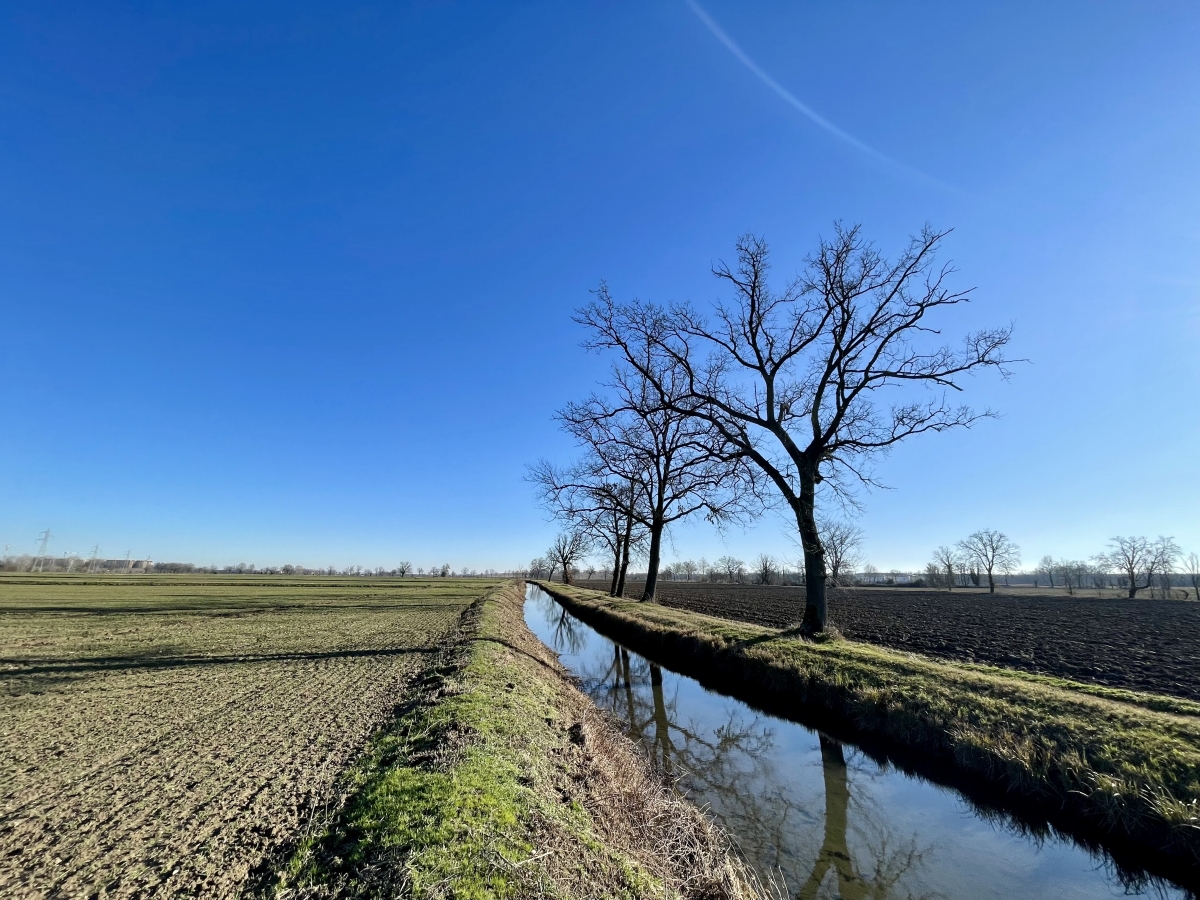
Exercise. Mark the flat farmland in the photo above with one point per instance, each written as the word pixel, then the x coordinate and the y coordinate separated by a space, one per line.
pixel 1144 645
pixel 167 736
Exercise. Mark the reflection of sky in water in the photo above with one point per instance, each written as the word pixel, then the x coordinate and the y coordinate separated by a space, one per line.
pixel 833 821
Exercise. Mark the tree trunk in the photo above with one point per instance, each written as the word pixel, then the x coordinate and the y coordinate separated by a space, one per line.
pixel 625 555
pixel 814 554
pixel 656 531
pixel 616 575
pixel 991 583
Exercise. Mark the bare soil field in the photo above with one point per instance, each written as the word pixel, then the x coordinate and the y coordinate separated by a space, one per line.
pixel 1144 645
pixel 168 736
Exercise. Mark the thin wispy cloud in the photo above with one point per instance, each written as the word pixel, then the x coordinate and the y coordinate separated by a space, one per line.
pixel 792 100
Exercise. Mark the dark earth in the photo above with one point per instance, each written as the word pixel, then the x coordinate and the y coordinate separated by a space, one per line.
pixel 1143 645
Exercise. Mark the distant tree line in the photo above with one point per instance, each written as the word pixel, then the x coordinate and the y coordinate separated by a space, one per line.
pixel 83 565
pixel 1129 564
pixel 987 558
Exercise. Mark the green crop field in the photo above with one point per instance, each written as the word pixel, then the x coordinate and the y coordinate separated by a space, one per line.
pixel 163 735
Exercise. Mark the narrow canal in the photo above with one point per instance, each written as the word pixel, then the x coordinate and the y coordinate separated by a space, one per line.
pixel 831 821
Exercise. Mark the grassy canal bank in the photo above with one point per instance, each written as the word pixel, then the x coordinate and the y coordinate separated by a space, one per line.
pixel 1105 763
pixel 499 779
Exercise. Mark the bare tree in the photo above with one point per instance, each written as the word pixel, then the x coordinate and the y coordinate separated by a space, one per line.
pixel 764 568
pixel 933 575
pixel 1081 570
pixel 1139 560
pixel 796 380
pixel 1009 568
pixel 589 496
pixel 566 551
pixel 1047 566
pixel 1192 564
pixel 404 568
pixel 731 567
pixel 676 464
pixel 990 550
pixel 1066 574
pixel 947 559
pixel 843 548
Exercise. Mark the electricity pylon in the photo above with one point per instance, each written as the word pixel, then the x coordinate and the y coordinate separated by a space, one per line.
pixel 39 563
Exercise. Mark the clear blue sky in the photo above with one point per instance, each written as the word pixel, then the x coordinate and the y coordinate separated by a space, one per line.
pixel 292 282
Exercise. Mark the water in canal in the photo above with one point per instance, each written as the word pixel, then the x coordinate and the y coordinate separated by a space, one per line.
pixel 832 821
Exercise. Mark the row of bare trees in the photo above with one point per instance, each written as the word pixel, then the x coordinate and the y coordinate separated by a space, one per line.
pixel 647 464
pixel 1140 563
pixel 564 555
pixel 1133 564
pixel 982 554
pixel 780 396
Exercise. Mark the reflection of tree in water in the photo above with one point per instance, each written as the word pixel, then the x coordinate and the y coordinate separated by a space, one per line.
pixel 853 884
pixel 569 634
pixel 731 768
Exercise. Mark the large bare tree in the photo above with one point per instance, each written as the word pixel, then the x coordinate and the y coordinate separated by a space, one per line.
pixel 1139 560
pixel 991 551
pixel 811 382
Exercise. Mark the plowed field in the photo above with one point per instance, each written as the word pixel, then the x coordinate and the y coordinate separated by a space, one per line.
pixel 164 737
pixel 1144 645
